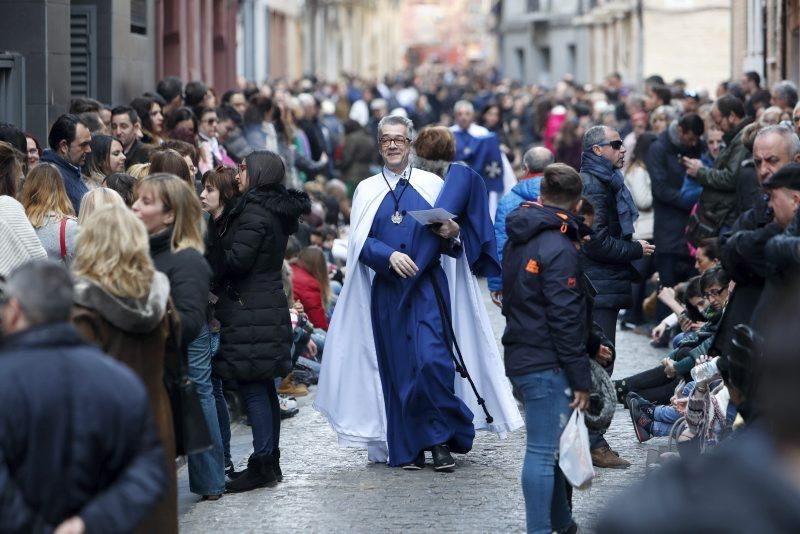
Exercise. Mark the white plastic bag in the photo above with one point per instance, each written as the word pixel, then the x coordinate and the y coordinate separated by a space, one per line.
pixel 575 459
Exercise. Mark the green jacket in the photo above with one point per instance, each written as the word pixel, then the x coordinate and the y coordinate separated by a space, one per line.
pixel 718 201
pixel 693 345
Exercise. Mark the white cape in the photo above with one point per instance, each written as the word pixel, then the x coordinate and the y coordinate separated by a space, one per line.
pixel 350 395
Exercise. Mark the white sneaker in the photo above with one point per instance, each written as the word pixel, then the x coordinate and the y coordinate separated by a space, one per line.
pixel 287 404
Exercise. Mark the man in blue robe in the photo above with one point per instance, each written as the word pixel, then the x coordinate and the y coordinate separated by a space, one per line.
pixel 388 382
pixel 417 373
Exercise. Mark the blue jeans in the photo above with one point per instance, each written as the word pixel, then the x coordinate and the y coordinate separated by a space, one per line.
pixel 318 337
pixel 222 406
pixel 206 469
pixel 265 414
pixel 547 396
pixel 664 417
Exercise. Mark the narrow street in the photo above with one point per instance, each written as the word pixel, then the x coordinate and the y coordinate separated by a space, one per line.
pixel 330 489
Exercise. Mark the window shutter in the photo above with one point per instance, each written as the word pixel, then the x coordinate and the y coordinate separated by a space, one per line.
pixel 12 89
pixel 83 51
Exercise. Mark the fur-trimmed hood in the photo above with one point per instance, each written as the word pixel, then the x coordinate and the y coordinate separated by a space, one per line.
pixel 287 204
pixel 436 166
pixel 129 315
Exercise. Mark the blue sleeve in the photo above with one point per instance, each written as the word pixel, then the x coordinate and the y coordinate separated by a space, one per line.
pixel 375 255
pixel 123 505
pixel 690 191
pixel 496 282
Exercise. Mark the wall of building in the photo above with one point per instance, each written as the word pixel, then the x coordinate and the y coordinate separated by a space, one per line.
pixel 123 61
pixel 196 40
pixel 37 30
pixel 691 42
pixel 543 46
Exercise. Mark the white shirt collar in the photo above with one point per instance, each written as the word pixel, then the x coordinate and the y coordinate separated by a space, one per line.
pixel 393 178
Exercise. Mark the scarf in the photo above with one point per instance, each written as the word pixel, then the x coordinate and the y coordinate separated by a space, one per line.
pixel 603 170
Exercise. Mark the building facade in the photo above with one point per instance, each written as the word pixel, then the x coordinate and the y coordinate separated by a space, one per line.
pixel 538 41
pixel 196 40
pixel 766 39
pixel 688 39
pixel 98 48
pixel 453 32
pixel 351 36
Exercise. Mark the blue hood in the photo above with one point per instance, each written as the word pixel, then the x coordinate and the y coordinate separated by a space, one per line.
pixel 528 190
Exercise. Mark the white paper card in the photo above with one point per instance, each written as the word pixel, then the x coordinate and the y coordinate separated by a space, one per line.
pixel 435 215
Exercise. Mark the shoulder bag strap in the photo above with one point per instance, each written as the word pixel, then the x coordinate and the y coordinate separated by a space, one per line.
pixel 62 237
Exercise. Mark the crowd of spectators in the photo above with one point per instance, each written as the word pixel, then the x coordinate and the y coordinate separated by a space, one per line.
pixel 202 228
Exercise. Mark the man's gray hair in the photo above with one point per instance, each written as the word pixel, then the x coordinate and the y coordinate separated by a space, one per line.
pixel 594 136
pixel 464 104
pixel 786 90
pixel 788 135
pixel 537 158
pixel 397 120
pixel 43 289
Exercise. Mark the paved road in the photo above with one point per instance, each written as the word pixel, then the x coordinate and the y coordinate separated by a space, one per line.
pixel 330 489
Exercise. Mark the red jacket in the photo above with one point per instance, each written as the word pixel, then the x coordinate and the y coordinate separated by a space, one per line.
pixel 306 289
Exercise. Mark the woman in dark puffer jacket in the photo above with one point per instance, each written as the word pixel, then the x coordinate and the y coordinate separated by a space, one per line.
pixel 256 333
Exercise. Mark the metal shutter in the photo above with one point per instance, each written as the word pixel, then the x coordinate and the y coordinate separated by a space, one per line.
pixel 12 89
pixel 82 50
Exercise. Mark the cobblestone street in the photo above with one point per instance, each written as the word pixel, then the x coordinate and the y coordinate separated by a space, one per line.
pixel 330 489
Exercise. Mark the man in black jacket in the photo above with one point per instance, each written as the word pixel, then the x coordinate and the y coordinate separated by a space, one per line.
pixel 671 206
pixel 78 448
pixel 607 256
pixel 743 250
pixel 546 334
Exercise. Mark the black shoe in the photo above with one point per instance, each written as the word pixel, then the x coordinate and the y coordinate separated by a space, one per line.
pixel 276 467
pixel 258 474
pixel 417 464
pixel 231 472
pixel 442 459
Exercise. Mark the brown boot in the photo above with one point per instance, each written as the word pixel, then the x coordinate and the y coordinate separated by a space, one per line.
pixel 605 457
pixel 290 387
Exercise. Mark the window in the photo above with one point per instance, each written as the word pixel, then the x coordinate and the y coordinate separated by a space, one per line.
pixel 572 59
pixel 139 17
pixel 544 53
pixel 534 5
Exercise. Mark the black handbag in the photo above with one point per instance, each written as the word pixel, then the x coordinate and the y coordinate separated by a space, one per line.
pixel 699 227
pixel 192 435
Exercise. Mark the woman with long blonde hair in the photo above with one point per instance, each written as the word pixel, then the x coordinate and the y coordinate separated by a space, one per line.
pixel 98 198
pixel 50 212
pixel 121 305
pixel 173 216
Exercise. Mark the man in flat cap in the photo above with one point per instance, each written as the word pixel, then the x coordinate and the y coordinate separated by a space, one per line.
pixel 783 189
pixel 743 249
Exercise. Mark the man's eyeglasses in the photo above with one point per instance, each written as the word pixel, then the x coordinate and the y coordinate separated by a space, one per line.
pixel 713 292
pixel 399 142
pixel 616 144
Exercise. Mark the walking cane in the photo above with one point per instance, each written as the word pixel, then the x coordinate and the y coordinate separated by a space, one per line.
pixel 461 367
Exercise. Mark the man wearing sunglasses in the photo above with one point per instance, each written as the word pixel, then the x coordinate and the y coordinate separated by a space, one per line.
pixel 608 254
